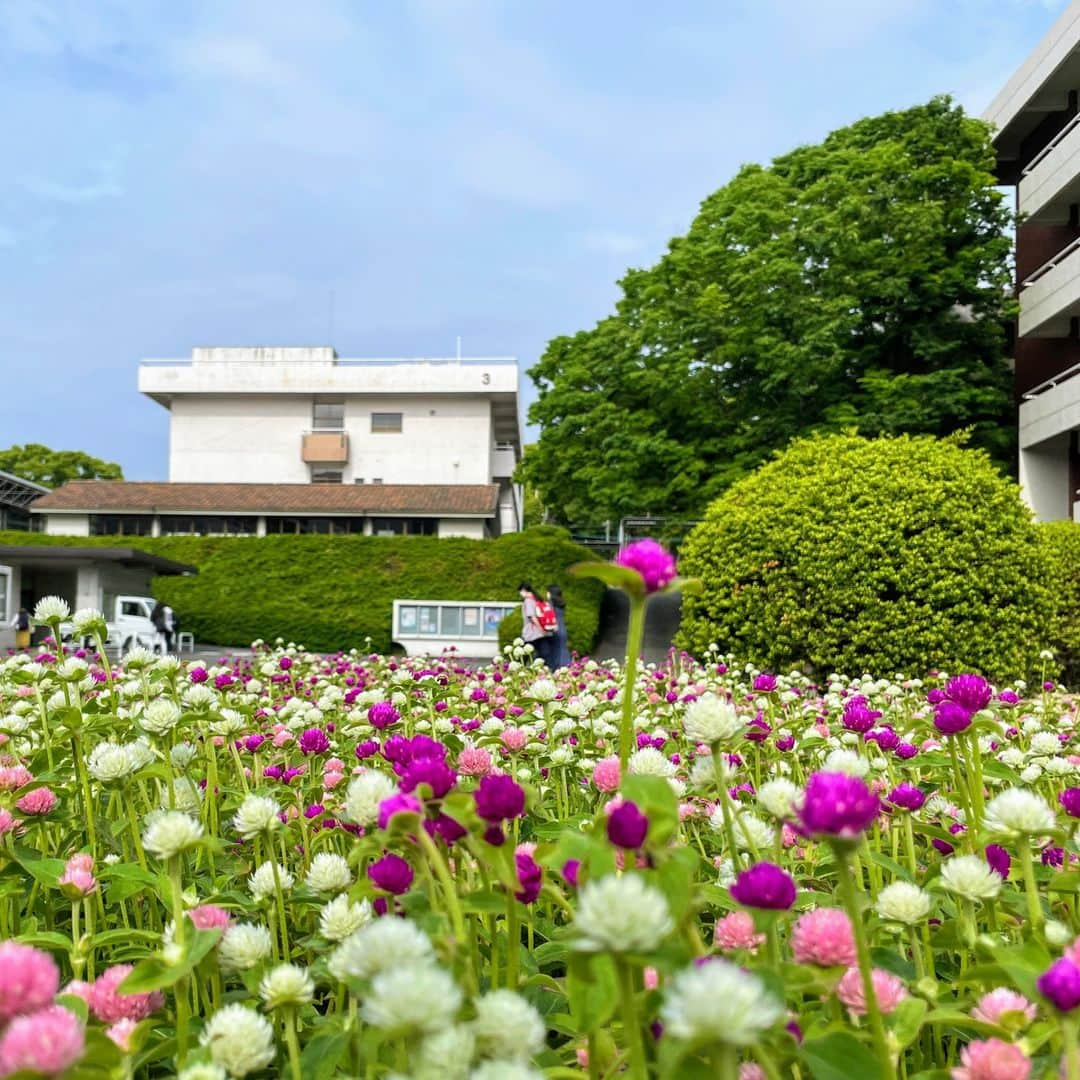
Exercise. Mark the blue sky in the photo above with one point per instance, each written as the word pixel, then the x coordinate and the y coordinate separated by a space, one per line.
pixel 183 172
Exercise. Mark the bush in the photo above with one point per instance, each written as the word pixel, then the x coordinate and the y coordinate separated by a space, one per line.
pixel 330 592
pixel 887 555
pixel 1062 540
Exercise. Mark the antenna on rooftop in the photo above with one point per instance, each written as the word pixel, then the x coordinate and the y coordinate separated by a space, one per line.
pixel 459 349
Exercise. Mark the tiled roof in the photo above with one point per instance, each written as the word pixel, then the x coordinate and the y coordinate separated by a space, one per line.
pixel 120 497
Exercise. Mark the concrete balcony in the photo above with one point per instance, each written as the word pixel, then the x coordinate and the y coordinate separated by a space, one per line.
pixel 503 462
pixel 1050 296
pixel 1052 180
pixel 324 447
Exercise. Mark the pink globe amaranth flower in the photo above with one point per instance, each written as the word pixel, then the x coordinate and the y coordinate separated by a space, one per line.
pixel 736 931
pixel 331 780
pixel 838 806
pixel 209 917
pixel 606 775
pixel 474 761
pixel 751 1070
pixel 1005 1008
pixel 121 1033
pixel 13 777
pixel 29 979
pixel 514 739
pixel 108 1004
pixel 39 801
pixel 824 937
pixel 47 1042
pixel 333 764
pixel 78 988
pixel 992 1059
pixel 764 885
pixel 651 560
pixel 650 978
pixel 889 989
pixel 282 738
pixel 75 882
pixel 392 874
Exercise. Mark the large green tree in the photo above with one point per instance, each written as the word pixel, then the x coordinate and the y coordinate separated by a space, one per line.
pixel 43 465
pixel 863 283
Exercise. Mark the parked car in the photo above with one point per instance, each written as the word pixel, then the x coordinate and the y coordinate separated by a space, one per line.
pixel 128 624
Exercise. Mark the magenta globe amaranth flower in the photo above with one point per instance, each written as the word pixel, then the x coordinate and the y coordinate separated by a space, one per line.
pixel 907 797
pixel 313 741
pixel 400 803
pixel 766 886
pixel 837 806
pixel 530 877
pixel 651 560
pixel 433 772
pixel 1070 801
pixel 392 874
pixel 858 716
pixel 951 718
pixel 765 683
pixel 627 826
pixel 997 858
pixel 382 715
pixel 972 692
pixel 499 798
pixel 1060 984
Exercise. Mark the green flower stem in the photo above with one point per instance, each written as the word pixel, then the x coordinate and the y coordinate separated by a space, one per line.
pixel 635 1049
pixel 1072 1054
pixel 634 633
pixel 279 899
pixel 453 907
pixel 862 948
pixel 725 807
pixel 727 1062
pixel 288 1022
pixel 978 801
pixel 180 937
pixel 962 793
pixel 88 800
pixel 107 665
pixel 513 942
pixel 1031 891
pixel 46 738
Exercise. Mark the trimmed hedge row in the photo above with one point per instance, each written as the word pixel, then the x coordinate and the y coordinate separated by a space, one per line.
pixel 1062 539
pixel 332 592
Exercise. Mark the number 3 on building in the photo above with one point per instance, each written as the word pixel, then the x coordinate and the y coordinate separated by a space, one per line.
pixel 485 378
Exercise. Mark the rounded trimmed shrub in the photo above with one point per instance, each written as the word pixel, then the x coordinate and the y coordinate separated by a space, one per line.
pixel 886 555
pixel 1062 539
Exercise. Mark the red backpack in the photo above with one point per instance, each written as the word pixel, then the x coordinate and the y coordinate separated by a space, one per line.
pixel 546 617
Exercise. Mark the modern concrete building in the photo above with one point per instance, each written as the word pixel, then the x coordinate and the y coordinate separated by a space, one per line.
pixel 16 497
pixel 1038 150
pixel 300 440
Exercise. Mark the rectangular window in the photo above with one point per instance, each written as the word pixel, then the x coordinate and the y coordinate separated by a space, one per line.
pixel 207 525
pixel 429 620
pixel 404 526
pixel 121 524
pixel 451 621
pixel 328 414
pixel 385 423
pixel 326 476
pixel 470 621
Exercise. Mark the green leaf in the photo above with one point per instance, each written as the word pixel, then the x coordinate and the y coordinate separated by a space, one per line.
pixel 906 1020
pixel 840 1056
pixel 592 988
pixel 616 577
pixel 44 870
pixel 323 1054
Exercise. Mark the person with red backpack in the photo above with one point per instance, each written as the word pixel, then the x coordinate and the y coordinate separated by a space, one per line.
pixel 539 623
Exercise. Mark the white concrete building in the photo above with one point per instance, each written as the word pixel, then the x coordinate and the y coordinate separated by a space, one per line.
pixel 254 431
pixel 1038 149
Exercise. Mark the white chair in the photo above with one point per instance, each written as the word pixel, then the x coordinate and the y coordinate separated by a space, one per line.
pixel 185 639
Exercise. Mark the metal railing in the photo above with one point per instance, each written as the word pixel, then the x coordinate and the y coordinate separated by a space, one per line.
pixel 1054 260
pixel 1055 142
pixel 1049 384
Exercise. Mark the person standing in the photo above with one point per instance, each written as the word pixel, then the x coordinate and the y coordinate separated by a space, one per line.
pixel 169 624
pixel 560 650
pixel 157 617
pixel 532 633
pixel 20 623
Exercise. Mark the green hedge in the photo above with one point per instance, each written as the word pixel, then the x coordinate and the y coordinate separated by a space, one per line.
pixel 885 555
pixel 330 592
pixel 1062 539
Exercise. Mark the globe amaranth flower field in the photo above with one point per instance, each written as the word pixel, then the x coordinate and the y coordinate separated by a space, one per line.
pixel 310 866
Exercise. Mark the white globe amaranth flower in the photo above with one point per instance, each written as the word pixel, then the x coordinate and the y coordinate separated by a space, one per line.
pixel 751 833
pixel 286 984
pixel 87 621
pixel 109 762
pixel 50 608
pixel 205 1070
pixel 542 690
pixel 342 917
pixel 140 753
pixel 200 698
pixel 561 755
pixel 417 997
pixel 846 761
pixel 1012 756
pixel 261 882
pixel 1057 766
pixel 507 1026
pixel 243 946
pixel 379 945
pixel 160 717
pixel 719 1002
pixel 183 754
pixel 257 814
pixel 971 877
pixel 1031 773
pixel 648 761
pixel 1044 743
pixel 711 720
pixel 364 794
pixel 903 902
pixel 1058 934
pixel 505 1070
pixel 779 798
pixel 446 1055
pixel 239 1039
pixel 182 794
pixel 1016 812
pixel 621 914
pixel 138 658
pixel 170 833
pixel 72 669
pixel 328 872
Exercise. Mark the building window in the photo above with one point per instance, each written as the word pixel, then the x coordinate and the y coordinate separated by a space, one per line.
pixel 385 423
pixel 121 524
pixel 376 479
pixel 328 414
pixel 207 525
pixel 401 526
pixel 320 526
pixel 326 476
